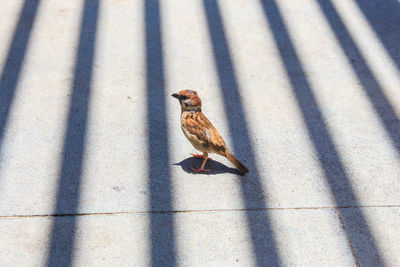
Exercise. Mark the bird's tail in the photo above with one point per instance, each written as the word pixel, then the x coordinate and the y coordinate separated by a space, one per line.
pixel 241 168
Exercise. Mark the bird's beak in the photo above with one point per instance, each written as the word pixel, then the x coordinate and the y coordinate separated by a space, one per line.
pixel 175 95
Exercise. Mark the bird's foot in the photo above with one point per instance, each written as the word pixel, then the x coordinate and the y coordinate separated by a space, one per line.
pixel 200 156
pixel 197 169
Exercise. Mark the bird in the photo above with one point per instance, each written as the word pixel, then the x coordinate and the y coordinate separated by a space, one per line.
pixel 201 133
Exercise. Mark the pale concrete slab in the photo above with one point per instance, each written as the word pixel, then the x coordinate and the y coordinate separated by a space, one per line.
pixel 38 119
pixel 261 119
pixel 384 222
pixel 36 86
pixel 304 92
pixel 257 110
pixel 8 19
pixel 219 238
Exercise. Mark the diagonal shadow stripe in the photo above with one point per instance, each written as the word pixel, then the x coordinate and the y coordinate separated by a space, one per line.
pixel 14 62
pixel 371 86
pixel 163 252
pixel 384 17
pixel 263 242
pixel 68 192
pixel 364 74
pixel 329 159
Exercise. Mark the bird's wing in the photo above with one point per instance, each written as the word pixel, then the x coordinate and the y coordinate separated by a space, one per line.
pixel 198 125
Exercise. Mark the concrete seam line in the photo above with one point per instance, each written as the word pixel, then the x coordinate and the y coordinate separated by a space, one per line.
pixel 353 252
pixel 188 211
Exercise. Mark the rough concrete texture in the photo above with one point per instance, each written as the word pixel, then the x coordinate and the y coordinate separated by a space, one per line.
pixel 304 92
pixel 215 238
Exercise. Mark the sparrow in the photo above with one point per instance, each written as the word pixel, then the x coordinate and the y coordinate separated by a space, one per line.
pixel 201 133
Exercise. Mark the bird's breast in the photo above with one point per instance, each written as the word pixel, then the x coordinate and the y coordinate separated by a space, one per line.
pixel 193 139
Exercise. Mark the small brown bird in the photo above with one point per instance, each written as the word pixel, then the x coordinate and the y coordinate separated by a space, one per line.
pixel 201 133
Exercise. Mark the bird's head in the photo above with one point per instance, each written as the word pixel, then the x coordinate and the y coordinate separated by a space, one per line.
pixel 189 100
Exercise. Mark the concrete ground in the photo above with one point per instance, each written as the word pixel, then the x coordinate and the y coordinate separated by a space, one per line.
pixel 94 168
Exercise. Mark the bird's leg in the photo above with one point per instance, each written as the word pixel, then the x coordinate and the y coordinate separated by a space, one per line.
pixel 197 169
pixel 199 156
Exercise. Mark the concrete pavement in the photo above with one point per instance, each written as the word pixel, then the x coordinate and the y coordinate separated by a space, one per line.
pixel 94 166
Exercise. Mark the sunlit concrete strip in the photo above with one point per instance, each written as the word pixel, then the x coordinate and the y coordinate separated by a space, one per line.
pixel 34 139
pixel 115 176
pixel 162 230
pixel 383 17
pixel 263 242
pixel 355 126
pixel 9 16
pixel 13 66
pixel 281 141
pixel 365 250
pixel 68 195
pixel 386 222
pixel 371 86
pixel 374 53
pixel 335 172
pixel 306 243
pixel 208 239
pixel 108 211
pixel 189 57
pixel 285 151
pixel 371 126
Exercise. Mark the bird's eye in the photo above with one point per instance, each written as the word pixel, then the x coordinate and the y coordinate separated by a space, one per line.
pixel 184 97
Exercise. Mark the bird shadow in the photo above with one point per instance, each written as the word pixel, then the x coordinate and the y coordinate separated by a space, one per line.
pixel 215 166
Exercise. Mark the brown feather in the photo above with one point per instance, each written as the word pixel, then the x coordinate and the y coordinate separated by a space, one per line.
pixel 241 168
pixel 200 131
pixel 203 131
